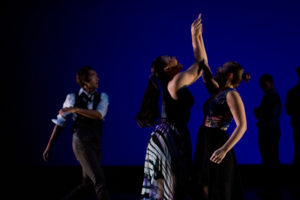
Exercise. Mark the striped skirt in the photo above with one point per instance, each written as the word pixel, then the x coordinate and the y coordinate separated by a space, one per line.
pixel 167 164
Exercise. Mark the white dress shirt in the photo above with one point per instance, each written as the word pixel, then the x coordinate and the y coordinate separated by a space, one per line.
pixel 70 102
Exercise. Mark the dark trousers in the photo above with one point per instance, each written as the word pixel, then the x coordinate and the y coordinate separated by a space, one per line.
pixel 89 157
pixel 268 142
pixel 296 138
pixel 296 161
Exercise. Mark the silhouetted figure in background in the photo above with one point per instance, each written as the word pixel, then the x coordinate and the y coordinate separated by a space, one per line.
pixel 88 108
pixel 268 116
pixel 292 107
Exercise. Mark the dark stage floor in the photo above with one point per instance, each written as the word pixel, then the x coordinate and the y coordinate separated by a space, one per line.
pixel 124 182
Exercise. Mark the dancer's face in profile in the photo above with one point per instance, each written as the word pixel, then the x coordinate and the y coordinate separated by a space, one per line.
pixel 173 66
pixel 239 78
pixel 93 82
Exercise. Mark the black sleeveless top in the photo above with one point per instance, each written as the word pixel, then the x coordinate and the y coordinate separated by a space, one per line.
pixel 177 111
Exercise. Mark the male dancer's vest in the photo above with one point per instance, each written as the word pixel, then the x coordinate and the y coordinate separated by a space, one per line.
pixel 87 129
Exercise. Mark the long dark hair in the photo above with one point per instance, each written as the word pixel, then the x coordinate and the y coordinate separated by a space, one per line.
pixel 238 74
pixel 148 114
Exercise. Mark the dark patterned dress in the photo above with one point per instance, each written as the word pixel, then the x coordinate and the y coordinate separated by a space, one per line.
pixel 223 180
pixel 169 151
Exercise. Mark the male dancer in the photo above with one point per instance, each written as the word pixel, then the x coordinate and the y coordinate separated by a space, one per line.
pixel 88 108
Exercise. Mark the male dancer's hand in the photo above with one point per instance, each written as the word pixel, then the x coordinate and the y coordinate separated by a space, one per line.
pixel 55 133
pixel 46 154
pixel 64 111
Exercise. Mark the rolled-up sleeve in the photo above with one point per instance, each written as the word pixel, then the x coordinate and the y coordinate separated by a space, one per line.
pixel 69 102
pixel 103 104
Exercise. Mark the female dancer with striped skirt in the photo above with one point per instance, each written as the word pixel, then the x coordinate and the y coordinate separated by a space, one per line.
pixel 169 152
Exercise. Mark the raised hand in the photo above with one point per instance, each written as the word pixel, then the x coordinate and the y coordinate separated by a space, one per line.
pixel 196 27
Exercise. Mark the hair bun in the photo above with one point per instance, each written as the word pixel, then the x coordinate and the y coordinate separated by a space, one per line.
pixel 246 77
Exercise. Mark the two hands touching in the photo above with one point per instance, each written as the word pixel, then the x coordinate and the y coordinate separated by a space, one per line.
pixel 196 27
pixel 196 31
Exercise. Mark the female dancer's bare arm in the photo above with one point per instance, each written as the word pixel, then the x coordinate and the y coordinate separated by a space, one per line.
pixel 237 109
pixel 194 72
pixel 207 75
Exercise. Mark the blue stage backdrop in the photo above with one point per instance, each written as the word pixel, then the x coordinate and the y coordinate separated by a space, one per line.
pixel 50 40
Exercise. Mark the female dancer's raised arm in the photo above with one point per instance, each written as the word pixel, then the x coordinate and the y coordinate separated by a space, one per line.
pixel 194 72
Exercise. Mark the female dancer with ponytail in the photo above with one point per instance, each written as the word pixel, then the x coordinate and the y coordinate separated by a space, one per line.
pixel 169 152
pixel 215 170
